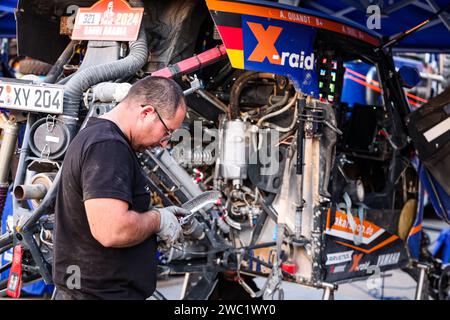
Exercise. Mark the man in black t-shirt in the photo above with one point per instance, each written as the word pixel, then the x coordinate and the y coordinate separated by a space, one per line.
pixel 105 232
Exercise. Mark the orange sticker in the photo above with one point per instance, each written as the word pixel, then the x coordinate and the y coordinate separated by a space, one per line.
pixel 342 229
pixel 109 20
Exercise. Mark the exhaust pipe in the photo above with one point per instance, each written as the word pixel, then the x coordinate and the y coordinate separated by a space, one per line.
pixel 30 191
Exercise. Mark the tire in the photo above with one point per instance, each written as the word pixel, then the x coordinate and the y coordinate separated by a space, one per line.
pixel 33 66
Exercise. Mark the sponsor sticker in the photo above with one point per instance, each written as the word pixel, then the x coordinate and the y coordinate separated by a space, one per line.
pixel 339 257
pixel 341 229
pixel 338 268
pixel 282 48
pixel 388 259
pixel 110 20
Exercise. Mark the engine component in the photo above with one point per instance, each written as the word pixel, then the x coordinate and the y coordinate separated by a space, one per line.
pixel 105 51
pixel 184 179
pixel 328 141
pixel 194 229
pixel 236 137
pixel 267 174
pixel 30 191
pixel 109 92
pixel 50 138
pixel 208 197
pixel 36 189
pixel 355 189
pixel 193 158
pixel 10 131
pixel 239 85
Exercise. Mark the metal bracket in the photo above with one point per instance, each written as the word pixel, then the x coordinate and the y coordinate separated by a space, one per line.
pixel 196 84
pixel 424 269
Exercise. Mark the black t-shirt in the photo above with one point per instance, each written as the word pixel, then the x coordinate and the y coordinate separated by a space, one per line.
pixel 100 163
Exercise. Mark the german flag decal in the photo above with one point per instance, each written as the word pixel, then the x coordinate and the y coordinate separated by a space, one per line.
pixel 267 45
pixel 268 37
pixel 274 11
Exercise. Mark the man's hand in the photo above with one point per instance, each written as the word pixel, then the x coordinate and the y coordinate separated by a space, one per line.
pixel 170 228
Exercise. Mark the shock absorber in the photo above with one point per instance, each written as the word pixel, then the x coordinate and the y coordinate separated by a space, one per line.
pixel 10 133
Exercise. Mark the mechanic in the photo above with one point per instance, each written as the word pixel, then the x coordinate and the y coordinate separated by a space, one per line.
pixel 105 229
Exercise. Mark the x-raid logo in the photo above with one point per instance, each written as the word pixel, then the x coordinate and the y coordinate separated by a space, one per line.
pixel 266 49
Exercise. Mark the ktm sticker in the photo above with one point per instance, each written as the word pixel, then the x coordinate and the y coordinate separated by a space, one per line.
pixel 109 20
pixel 342 229
pixel 282 48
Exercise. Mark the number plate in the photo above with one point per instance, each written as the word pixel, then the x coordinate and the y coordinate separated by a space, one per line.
pixel 22 95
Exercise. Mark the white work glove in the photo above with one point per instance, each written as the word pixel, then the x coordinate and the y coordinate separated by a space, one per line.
pixel 169 227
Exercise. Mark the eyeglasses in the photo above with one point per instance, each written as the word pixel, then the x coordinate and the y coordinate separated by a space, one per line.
pixel 169 132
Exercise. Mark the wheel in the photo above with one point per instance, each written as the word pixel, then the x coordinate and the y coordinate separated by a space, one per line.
pixel 444 284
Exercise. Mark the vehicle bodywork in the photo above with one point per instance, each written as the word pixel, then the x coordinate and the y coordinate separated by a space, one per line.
pixel 344 199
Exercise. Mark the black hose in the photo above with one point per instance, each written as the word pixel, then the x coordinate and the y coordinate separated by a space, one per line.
pixel 84 79
pixel 239 85
pixel 74 89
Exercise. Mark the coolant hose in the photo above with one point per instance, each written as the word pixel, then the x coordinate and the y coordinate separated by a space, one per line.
pixel 239 85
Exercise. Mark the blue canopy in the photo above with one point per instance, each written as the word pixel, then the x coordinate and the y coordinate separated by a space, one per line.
pixel 396 16
pixel 7 21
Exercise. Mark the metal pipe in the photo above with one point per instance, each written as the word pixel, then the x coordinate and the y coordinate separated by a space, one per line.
pixel 30 191
pixel 280 103
pixel 23 151
pixel 10 133
pixel 45 204
pixel 420 283
pixel 212 99
pixel 57 68
pixel 278 112
pixel 239 85
pixel 286 129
